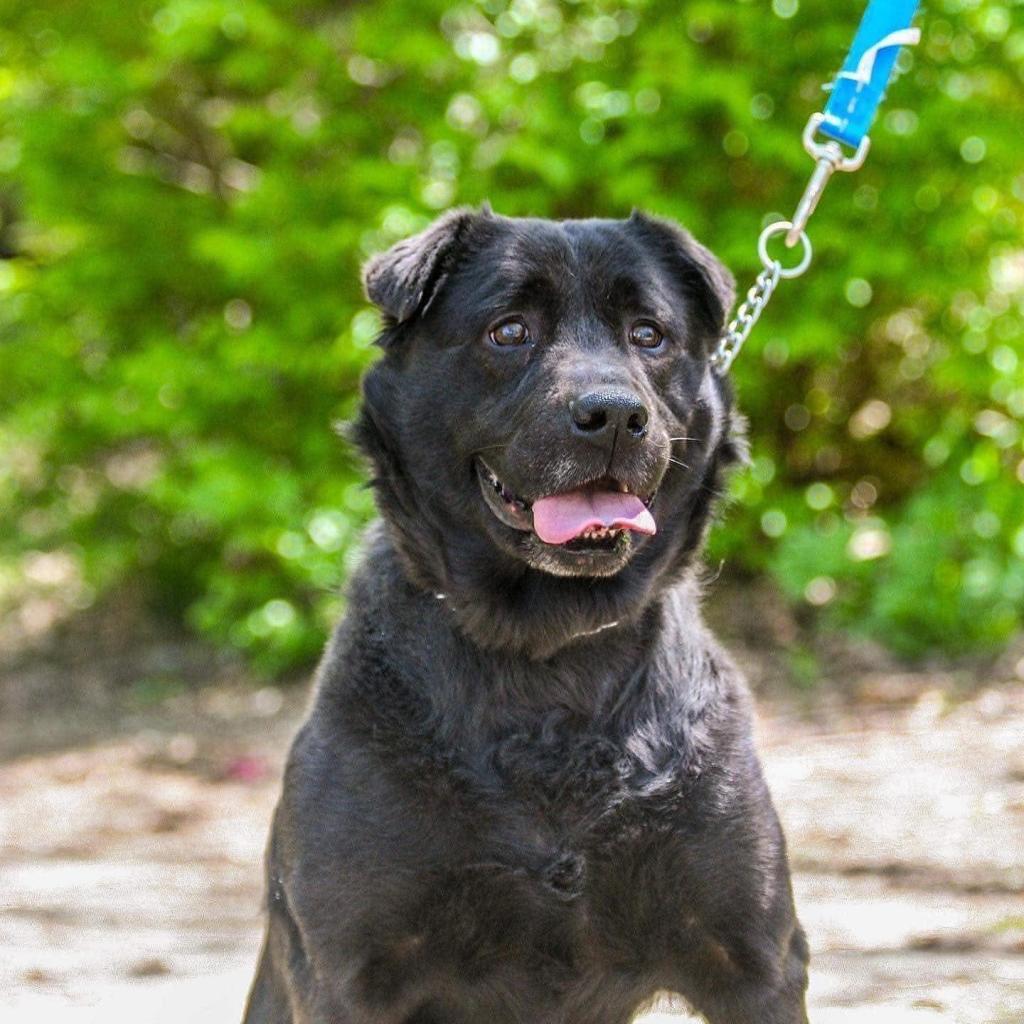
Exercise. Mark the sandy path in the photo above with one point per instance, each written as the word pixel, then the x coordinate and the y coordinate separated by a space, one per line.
pixel 130 865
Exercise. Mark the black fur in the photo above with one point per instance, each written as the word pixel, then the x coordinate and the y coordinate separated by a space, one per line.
pixel 526 791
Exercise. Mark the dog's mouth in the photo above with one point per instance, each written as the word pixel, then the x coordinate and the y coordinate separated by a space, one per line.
pixel 598 516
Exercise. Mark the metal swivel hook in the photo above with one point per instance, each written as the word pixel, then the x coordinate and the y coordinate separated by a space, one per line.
pixel 830 158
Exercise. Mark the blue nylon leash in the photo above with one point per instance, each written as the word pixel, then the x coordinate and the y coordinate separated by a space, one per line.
pixel 860 87
pixel 856 95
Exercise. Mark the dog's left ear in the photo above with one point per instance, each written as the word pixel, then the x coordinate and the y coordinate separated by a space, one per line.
pixel 707 277
pixel 404 280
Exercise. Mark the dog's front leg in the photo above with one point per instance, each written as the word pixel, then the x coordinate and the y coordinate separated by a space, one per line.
pixel 775 996
pixel 289 989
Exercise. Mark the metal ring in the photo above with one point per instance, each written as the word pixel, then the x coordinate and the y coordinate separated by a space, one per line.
pixel 781 227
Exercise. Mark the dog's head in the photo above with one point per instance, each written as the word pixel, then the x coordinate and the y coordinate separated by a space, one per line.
pixel 545 427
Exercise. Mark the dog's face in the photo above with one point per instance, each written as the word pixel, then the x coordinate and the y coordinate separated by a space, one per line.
pixel 545 398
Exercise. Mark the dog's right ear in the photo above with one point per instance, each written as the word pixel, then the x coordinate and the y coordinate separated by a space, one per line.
pixel 404 280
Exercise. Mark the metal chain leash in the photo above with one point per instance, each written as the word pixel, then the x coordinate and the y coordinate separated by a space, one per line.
pixel 746 316
pixel 856 94
pixel 759 295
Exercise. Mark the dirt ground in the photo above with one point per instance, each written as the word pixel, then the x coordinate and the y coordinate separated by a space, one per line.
pixel 130 851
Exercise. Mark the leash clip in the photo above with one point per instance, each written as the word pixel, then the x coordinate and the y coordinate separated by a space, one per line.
pixel 830 157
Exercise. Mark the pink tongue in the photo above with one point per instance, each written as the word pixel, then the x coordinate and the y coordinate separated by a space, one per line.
pixel 563 517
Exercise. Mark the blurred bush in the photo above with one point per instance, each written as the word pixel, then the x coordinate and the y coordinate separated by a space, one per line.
pixel 187 190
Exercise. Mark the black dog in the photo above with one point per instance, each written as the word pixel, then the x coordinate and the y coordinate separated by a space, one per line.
pixel 527 792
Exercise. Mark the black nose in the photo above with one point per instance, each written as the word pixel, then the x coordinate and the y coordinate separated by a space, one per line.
pixel 609 411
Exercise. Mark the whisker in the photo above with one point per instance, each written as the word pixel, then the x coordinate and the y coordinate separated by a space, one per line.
pixel 676 462
pixel 682 439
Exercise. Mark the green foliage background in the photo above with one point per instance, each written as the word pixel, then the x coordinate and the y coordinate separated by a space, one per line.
pixel 188 188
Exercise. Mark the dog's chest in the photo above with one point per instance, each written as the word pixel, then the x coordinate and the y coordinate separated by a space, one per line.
pixel 554 848
pixel 575 848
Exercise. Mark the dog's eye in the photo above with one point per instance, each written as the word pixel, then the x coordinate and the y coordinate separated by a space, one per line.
pixel 645 335
pixel 511 332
